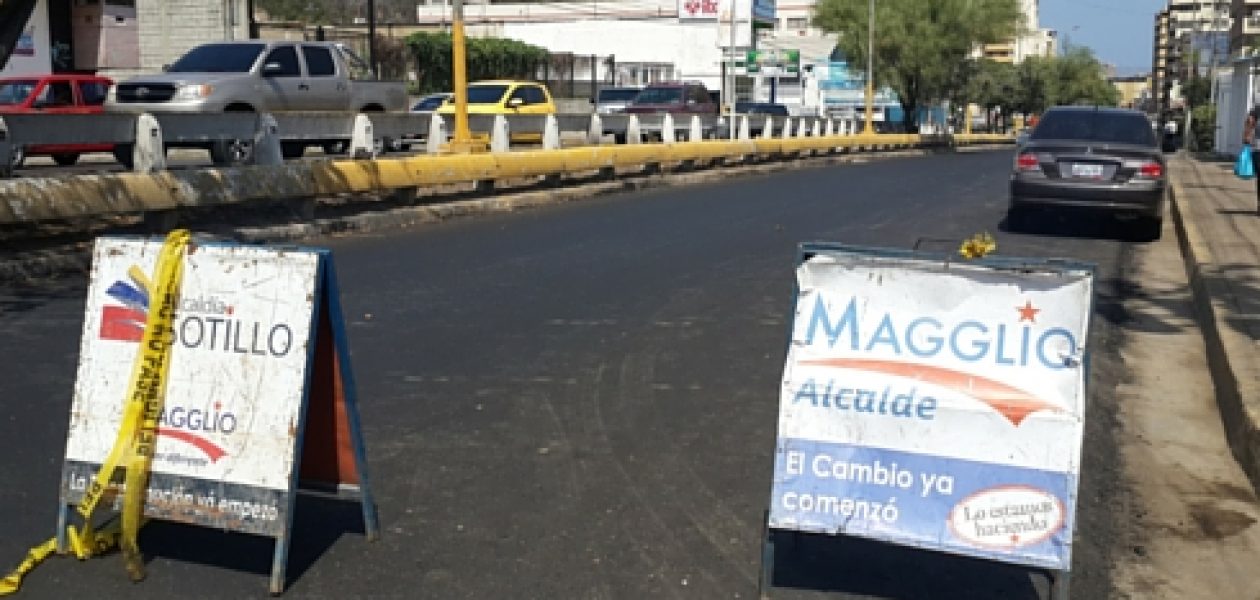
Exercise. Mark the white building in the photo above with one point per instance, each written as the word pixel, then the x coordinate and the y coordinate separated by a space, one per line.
pixel 647 40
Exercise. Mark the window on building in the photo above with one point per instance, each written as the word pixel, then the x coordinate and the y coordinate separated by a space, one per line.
pixel 319 61
pixel 798 23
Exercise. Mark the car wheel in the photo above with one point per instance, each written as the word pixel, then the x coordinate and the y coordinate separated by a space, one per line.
pixel 17 158
pixel 66 159
pixel 1018 218
pixel 227 153
pixel 123 154
pixel 1147 229
pixel 292 150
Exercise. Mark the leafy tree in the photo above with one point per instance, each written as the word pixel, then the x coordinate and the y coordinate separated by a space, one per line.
pixel 1081 79
pixel 921 47
pixel 337 12
pixel 488 58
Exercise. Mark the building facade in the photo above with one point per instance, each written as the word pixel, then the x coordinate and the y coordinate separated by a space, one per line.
pixel 1164 63
pixel 1033 40
pixel 1244 35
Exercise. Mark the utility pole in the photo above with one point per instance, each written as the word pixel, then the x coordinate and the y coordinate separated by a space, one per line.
pixel 1212 66
pixel 729 81
pixel 462 142
pixel 869 129
pixel 371 10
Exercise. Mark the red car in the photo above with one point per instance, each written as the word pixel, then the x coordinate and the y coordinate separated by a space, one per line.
pixel 54 94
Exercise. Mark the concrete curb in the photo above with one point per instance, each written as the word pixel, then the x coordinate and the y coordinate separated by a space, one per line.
pixel 1232 356
pixel 38 265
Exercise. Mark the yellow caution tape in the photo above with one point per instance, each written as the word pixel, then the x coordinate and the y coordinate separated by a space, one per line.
pixel 977 246
pixel 137 435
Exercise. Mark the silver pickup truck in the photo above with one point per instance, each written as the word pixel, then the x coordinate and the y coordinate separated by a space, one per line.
pixel 258 76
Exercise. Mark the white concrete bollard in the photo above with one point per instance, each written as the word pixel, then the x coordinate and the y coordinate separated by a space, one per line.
pixel 595 133
pixel 767 130
pixel 667 129
pixel 551 134
pixel 787 128
pixel 437 134
pixel 817 131
pixel 830 128
pixel 266 141
pixel 696 133
pixel 500 135
pixel 362 138
pixel 634 131
pixel 744 131
pixel 148 155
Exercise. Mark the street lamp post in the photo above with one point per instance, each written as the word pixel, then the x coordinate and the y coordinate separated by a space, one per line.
pixel 870 73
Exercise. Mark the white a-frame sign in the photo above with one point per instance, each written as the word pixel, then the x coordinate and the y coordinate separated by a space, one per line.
pixel 260 401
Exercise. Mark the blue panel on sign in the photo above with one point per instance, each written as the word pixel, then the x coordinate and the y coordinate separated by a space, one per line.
pixel 964 507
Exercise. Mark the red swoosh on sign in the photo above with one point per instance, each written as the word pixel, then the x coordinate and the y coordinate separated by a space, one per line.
pixel 1011 402
pixel 210 448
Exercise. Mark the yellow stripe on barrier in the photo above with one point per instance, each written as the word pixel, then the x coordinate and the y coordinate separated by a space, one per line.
pixel 31 200
pixel 137 434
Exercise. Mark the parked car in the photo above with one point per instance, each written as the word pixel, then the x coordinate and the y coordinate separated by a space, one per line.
pixel 761 108
pixel 506 98
pixel 54 95
pixel 690 98
pixel 1091 158
pixel 431 103
pixel 259 76
pixel 615 99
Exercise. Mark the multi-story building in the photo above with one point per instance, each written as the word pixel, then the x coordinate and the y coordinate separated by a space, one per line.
pixel 1164 63
pixel 1244 35
pixel 1032 41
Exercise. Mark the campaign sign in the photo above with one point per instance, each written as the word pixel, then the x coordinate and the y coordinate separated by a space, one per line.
pixel 933 403
pixel 260 390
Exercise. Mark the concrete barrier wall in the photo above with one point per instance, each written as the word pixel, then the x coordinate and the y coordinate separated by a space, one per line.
pixel 32 200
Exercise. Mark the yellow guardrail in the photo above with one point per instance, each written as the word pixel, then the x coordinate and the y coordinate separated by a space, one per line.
pixel 74 197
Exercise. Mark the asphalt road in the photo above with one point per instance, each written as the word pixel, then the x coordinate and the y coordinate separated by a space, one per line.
pixel 580 402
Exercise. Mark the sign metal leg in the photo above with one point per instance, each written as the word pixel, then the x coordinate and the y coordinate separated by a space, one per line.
pixel 63 519
pixel 278 563
pixel 1060 585
pixel 766 578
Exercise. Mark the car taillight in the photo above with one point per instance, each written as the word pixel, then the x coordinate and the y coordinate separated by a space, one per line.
pixel 1027 162
pixel 1151 170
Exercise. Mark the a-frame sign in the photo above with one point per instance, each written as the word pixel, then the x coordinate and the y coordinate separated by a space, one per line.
pixel 261 400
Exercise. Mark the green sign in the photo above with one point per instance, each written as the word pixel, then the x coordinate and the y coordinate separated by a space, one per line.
pixel 774 62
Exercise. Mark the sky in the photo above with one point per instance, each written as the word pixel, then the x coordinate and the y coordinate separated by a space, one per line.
pixel 1118 31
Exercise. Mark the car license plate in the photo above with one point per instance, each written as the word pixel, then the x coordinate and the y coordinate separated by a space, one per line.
pixel 1087 170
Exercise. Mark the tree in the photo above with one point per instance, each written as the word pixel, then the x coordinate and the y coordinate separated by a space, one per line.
pixel 488 58
pixel 921 47
pixel 1081 79
pixel 337 12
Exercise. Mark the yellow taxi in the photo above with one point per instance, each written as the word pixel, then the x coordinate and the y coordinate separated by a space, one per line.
pixel 505 98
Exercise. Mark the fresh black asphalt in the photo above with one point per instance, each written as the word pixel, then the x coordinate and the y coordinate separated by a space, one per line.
pixel 579 402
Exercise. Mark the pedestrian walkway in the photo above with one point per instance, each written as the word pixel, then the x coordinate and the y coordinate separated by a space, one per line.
pixel 1219 232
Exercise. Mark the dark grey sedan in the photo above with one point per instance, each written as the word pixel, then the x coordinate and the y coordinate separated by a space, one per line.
pixel 1092 158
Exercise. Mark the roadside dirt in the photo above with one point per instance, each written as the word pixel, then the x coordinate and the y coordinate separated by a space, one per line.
pixel 1193 530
